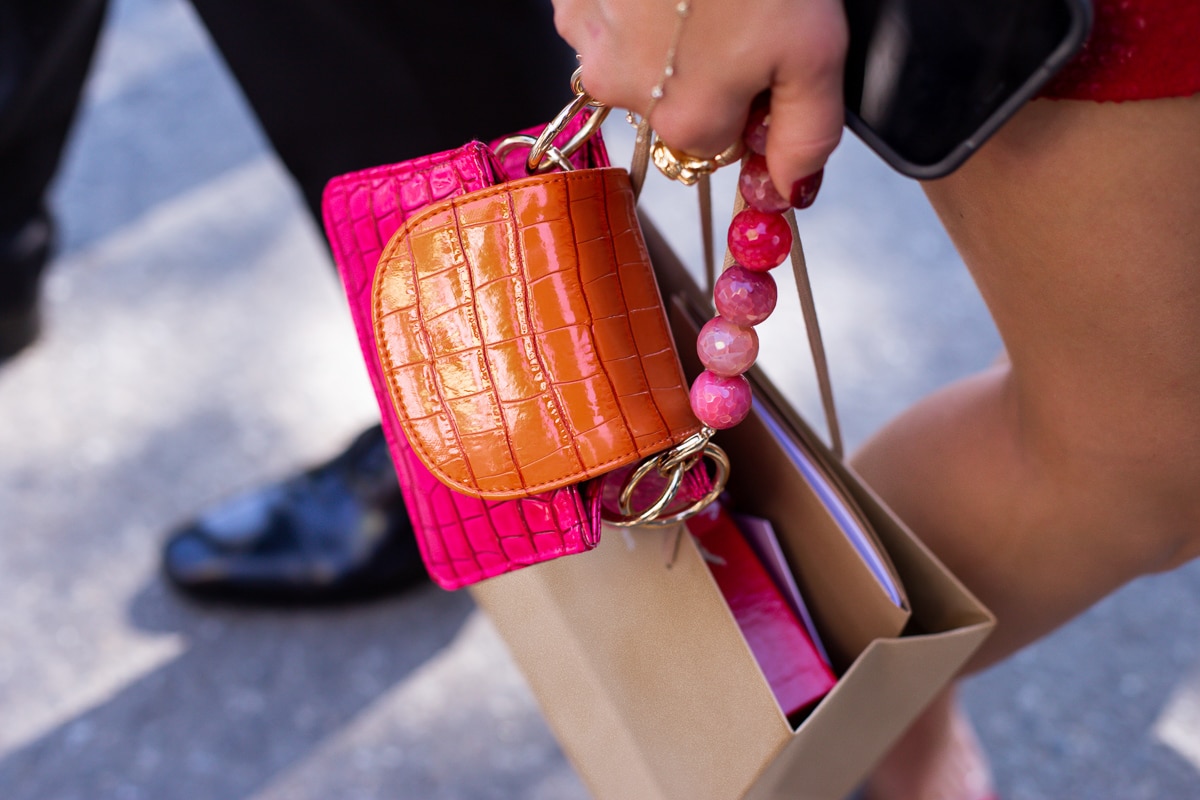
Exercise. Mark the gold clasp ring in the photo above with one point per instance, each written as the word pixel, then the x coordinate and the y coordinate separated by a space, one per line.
pixel 673 465
pixel 543 155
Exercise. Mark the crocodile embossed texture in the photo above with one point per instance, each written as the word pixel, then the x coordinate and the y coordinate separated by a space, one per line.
pixel 462 539
pixel 523 337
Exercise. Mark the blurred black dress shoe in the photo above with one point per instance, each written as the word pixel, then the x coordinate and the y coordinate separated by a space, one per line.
pixel 23 255
pixel 335 533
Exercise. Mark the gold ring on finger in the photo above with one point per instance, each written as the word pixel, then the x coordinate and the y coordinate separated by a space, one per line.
pixel 687 169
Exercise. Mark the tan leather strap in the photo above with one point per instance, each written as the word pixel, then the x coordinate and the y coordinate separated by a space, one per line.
pixel 637 177
pixel 641 157
pixel 706 230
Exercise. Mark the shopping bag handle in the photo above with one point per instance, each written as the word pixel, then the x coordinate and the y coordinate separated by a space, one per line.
pixel 816 344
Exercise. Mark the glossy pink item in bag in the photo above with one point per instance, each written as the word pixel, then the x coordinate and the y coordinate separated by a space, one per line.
pixel 462 539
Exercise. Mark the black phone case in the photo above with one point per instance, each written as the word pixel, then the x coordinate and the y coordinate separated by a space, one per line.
pixel 861 15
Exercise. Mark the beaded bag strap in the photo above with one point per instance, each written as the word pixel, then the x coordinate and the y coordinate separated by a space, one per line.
pixel 808 305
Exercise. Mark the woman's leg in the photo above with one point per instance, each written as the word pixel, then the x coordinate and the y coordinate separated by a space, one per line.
pixel 1049 481
pixel 343 85
pixel 46 48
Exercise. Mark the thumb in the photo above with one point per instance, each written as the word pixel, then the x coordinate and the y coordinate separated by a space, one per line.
pixel 805 125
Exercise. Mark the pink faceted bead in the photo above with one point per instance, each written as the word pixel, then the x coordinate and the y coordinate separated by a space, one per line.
pixel 725 348
pixel 745 297
pixel 718 402
pixel 755 185
pixel 757 125
pixel 758 240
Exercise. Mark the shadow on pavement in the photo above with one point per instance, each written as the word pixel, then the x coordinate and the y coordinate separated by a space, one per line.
pixel 251 695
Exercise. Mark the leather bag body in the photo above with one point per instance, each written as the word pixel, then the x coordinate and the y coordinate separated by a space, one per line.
pixel 462 539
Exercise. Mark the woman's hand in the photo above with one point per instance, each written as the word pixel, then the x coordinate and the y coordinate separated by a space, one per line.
pixel 729 51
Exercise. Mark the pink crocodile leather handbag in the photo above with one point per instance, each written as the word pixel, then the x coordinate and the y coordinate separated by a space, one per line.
pixel 462 539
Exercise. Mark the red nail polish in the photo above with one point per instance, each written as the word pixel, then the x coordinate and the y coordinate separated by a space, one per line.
pixel 804 191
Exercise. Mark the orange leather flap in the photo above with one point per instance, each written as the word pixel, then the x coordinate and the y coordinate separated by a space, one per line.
pixel 523 338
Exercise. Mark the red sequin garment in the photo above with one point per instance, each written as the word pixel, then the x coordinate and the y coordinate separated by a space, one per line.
pixel 1138 50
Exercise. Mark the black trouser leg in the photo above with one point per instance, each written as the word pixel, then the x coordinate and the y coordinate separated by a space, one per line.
pixel 340 85
pixel 46 48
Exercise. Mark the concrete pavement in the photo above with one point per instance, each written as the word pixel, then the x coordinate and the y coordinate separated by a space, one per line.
pixel 196 343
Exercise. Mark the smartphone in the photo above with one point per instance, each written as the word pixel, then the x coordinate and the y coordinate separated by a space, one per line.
pixel 928 81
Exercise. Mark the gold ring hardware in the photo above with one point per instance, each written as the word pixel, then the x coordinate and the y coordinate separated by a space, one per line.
pixel 555 156
pixel 673 465
pixel 687 169
pixel 543 155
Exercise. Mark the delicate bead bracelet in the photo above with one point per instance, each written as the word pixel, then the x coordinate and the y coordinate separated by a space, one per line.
pixel 683 9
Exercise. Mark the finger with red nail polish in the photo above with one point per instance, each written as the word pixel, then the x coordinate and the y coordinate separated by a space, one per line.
pixel 804 191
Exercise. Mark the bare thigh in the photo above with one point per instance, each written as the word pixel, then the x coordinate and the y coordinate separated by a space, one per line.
pixel 1081 226
pixel 1048 481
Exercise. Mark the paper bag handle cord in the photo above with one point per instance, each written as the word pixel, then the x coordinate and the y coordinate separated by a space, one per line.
pixel 808 308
